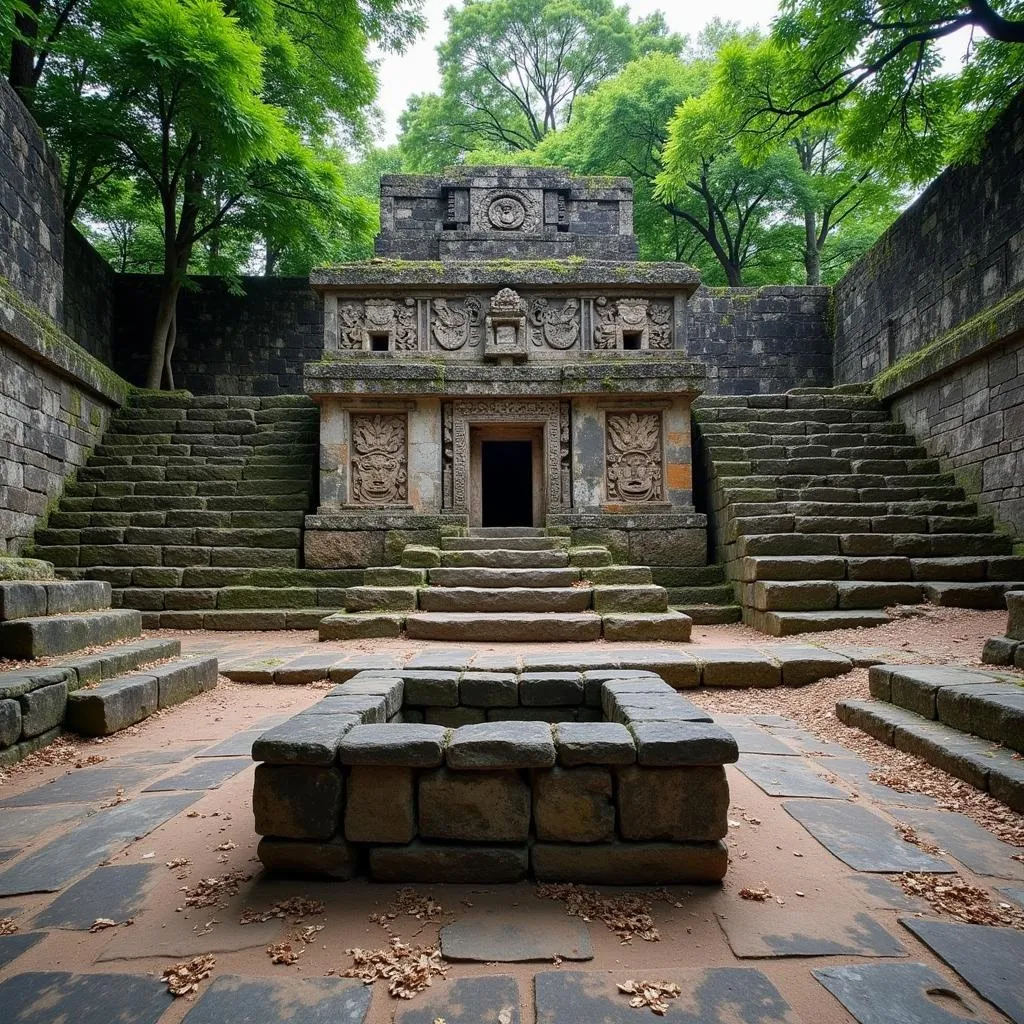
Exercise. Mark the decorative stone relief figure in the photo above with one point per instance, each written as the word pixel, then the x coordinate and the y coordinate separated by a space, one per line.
pixel 632 323
pixel 504 210
pixel 633 456
pixel 505 326
pixel 556 327
pixel 360 324
pixel 565 450
pixel 453 327
pixel 380 461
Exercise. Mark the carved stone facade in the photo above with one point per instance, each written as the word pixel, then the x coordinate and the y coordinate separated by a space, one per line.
pixel 631 323
pixel 455 324
pixel 633 457
pixel 377 324
pixel 380 458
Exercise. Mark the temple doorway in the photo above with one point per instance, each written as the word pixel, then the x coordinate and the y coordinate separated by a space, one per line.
pixel 507 476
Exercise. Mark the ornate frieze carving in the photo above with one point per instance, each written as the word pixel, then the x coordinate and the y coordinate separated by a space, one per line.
pixel 555 326
pixel 380 459
pixel 360 324
pixel 505 326
pixel 508 209
pixel 565 451
pixel 632 323
pixel 633 456
pixel 453 325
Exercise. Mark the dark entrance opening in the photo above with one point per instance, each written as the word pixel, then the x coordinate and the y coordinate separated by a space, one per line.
pixel 506 480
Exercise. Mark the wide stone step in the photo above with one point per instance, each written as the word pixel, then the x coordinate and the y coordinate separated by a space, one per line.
pixel 476 576
pixel 982 764
pixel 240 620
pixel 911 545
pixel 498 558
pixel 821 595
pixel 40 637
pixel 723 594
pixel 122 701
pixel 505 599
pixel 709 614
pixel 117 660
pixel 507 531
pixel 505 543
pixel 155 599
pixel 647 626
pixel 23 600
pixel 87 555
pixel 794 623
pixel 990 594
pixel 630 598
pixel 504 627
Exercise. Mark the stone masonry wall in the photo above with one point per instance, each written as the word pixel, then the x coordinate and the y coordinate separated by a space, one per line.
pixel 249 344
pixel 89 284
pixel 31 209
pixel 958 250
pixel 761 340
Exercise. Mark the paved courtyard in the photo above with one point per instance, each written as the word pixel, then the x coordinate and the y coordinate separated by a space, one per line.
pixel 123 857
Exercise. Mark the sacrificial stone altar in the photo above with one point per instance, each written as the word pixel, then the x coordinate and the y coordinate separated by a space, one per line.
pixel 600 777
pixel 505 361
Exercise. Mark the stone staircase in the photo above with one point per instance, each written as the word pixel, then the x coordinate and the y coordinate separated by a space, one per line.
pixel 80 665
pixel 508 584
pixel 825 512
pixel 192 510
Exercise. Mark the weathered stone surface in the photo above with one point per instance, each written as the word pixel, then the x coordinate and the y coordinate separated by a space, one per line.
pixel 340 549
pixel 1015 618
pixel 668 744
pixel 423 862
pixel 21 600
pixel 802 665
pixel 999 650
pixel 418 556
pixel 672 803
pixel 380 599
pixel 10 722
pixel 670 625
pixel 297 801
pixel 362 626
pixel 512 627
pixel 400 744
pixel 489 689
pixel 454 718
pixel 184 679
pixel 580 743
pixel 380 804
pixel 630 863
pixel 550 689
pixel 368 707
pixel 112 706
pixel 474 806
pixel 64 634
pixel 431 686
pixel 42 709
pixel 335 859
pixel 573 805
pixel 304 739
pixel 740 667
pixel 372 684
pixel 501 745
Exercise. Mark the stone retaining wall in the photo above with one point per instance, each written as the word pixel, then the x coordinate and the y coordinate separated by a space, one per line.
pixel 358 783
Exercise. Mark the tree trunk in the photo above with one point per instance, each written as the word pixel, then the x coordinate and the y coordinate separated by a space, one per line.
pixel 23 54
pixel 270 261
pixel 169 288
pixel 812 258
pixel 172 337
pixel 733 274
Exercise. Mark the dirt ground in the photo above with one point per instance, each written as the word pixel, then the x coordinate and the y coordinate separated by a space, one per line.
pixel 768 849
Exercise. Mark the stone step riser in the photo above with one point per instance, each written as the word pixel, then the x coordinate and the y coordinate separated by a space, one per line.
pixel 505 628
pixel 499 559
pixel 52 635
pixel 892 568
pixel 26 600
pixel 938 545
pixel 157 599
pixel 505 543
pixel 507 599
pixel 486 577
pixel 86 556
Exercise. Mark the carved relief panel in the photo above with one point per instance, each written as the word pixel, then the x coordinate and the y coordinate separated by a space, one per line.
pixel 632 323
pixel 556 325
pixel 455 323
pixel 505 209
pixel 377 324
pixel 633 457
pixel 380 458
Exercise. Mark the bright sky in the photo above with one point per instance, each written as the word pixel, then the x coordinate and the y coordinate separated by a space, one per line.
pixel 416 69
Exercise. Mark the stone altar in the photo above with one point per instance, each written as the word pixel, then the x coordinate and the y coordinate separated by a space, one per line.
pixel 505 361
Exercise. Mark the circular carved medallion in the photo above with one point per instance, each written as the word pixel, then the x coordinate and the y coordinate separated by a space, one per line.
pixel 506 213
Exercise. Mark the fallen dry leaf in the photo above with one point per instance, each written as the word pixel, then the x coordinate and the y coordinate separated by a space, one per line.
pixel 178 862
pixel 228 845
pixel 102 923
pixel 626 914
pixel 406 969
pixel 282 953
pixel 295 908
pixel 183 979
pixel 7 926
pixel 758 895
pixel 409 902
pixel 909 835
pixel 210 892
pixel 950 894
pixel 652 994
pixel 117 798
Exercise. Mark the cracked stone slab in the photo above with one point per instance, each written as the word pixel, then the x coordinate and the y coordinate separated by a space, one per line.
pixel 888 993
pixel 768 930
pixel 753 740
pixel 989 959
pixel 52 866
pixel 513 936
pixel 882 894
pixel 491 998
pixel 115 892
pixel 12 946
pixel 788 776
pixel 46 996
pixel 718 995
pixel 860 839
pixel 961 837
pixel 84 786
pixel 239 745
pixel 202 775
pixel 282 1001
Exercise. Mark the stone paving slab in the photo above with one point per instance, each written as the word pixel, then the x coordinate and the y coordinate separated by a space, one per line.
pixel 767 930
pixel 282 1001
pixel 84 786
pixel 988 959
pixel 208 774
pixel 788 776
pixel 491 999
pixel 51 867
pixel 239 745
pixel 855 771
pixel 12 946
pixel 961 837
pixel 168 755
pixel 512 935
pixel 114 892
pixel 883 894
pixel 45 997
pixel 718 995
pixel 20 826
pixel 1016 895
pixel 751 739
pixel 895 994
pixel 860 839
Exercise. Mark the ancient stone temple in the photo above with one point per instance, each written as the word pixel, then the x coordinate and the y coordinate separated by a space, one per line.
pixel 505 362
